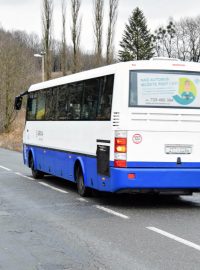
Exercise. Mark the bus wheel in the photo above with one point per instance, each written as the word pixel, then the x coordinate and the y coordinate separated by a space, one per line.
pixel 35 173
pixel 82 189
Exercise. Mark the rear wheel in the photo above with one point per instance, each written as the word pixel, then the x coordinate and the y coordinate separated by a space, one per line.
pixel 35 173
pixel 82 189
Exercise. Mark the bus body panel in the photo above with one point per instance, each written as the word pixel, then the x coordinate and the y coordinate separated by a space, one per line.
pixel 154 176
pixel 153 147
pixel 61 164
pixel 72 136
pixel 155 179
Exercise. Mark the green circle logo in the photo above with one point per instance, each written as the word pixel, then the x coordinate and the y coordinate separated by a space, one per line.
pixel 187 92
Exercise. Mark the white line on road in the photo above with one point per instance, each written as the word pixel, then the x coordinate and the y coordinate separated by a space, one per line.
pixel 24 176
pixel 5 168
pixel 176 238
pixel 111 212
pixel 54 188
pixel 82 200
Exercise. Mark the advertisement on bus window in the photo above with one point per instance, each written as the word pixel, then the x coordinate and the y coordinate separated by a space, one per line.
pixel 167 89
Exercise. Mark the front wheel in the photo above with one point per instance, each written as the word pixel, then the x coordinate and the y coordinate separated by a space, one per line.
pixel 35 173
pixel 82 189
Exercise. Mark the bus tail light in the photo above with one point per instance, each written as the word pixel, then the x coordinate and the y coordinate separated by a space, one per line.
pixel 120 163
pixel 120 145
pixel 120 149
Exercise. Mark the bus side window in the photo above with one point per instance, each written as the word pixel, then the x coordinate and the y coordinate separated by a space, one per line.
pixel 40 113
pixel 105 98
pixel 62 105
pixel 90 100
pixel 31 106
pixel 51 99
pixel 75 101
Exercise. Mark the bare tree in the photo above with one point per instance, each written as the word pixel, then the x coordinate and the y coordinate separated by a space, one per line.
pixel 47 13
pixel 164 40
pixel 179 39
pixel 113 6
pixel 17 72
pixel 98 29
pixel 188 39
pixel 64 44
pixel 56 57
pixel 182 41
pixel 75 32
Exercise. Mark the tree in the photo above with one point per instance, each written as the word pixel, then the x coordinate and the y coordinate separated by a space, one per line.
pixel 188 39
pixel 98 28
pixel 56 58
pixel 75 32
pixel 17 71
pixel 136 42
pixel 164 39
pixel 179 39
pixel 47 13
pixel 64 44
pixel 113 5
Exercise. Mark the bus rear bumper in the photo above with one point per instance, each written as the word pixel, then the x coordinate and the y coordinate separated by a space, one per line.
pixel 154 179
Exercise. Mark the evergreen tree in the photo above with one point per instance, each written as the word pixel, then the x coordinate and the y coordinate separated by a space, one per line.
pixel 136 41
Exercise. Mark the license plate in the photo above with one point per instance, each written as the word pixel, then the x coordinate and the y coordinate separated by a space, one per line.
pixel 178 149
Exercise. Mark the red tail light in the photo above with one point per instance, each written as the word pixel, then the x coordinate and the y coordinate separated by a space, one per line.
pixel 120 163
pixel 120 145
pixel 120 141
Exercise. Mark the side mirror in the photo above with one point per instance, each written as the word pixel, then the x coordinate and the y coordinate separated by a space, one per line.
pixel 18 103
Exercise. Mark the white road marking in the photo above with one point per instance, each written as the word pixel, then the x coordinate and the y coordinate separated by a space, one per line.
pixel 54 188
pixel 111 212
pixel 5 168
pixel 24 176
pixel 176 238
pixel 82 200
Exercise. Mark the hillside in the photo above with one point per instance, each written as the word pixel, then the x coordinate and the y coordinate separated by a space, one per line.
pixel 13 138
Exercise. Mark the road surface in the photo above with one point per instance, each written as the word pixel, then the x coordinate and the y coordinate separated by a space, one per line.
pixel 45 225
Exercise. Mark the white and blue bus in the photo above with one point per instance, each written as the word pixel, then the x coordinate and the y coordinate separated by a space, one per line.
pixel 127 127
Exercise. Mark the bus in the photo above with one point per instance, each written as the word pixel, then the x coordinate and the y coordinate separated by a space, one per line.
pixel 127 127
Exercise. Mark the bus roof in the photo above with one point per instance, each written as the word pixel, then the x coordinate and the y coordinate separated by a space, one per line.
pixel 152 64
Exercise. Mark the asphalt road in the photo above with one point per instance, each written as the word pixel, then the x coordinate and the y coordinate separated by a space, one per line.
pixel 45 225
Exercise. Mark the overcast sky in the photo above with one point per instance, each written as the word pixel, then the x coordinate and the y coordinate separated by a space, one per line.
pixel 26 15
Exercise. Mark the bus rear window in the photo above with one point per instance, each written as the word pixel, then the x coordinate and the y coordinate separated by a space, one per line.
pixel 164 89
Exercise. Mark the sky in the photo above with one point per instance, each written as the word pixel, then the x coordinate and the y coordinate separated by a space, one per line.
pixel 26 15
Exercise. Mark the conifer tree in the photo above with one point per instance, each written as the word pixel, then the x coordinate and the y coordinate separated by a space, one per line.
pixel 136 41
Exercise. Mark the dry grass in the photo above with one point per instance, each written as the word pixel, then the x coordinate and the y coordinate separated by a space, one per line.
pixel 13 139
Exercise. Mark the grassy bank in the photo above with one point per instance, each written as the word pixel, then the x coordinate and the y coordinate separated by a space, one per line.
pixel 13 138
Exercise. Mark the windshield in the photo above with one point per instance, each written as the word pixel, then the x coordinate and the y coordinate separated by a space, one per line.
pixel 164 89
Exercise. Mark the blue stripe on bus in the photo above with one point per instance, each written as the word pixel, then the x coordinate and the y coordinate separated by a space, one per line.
pixel 59 163
pixel 146 164
pixel 148 175
pixel 156 178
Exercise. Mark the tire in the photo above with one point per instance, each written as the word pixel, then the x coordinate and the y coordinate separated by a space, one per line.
pixel 81 188
pixel 35 173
